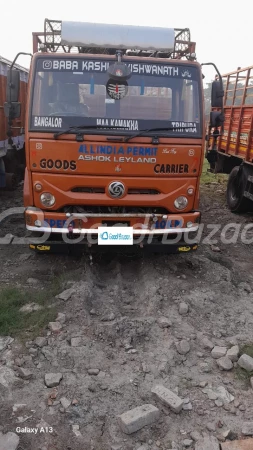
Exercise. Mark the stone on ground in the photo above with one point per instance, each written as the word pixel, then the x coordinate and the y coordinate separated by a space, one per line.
pixel 65 402
pixel 183 308
pixel 9 441
pixel 93 371
pixel 247 429
pixel 33 281
pixel 65 295
pixel 187 443
pixel 75 429
pixel 41 341
pixel 76 342
pixel 183 347
pixel 168 398
pixel 207 443
pixel 26 374
pixel 218 352
pixel 7 376
pixel 53 379
pixel 61 317
pixel 55 327
pixel 164 322
pixel 218 393
pixel 195 435
pixel 137 418
pixel 207 343
pixel 30 307
pixel 225 363
pixel 233 353
pixel 246 362
pixel 4 342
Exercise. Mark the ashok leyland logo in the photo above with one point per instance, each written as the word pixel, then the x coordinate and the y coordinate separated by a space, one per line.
pixel 116 189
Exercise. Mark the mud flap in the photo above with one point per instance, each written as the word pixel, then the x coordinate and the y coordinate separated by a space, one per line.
pixel 212 156
pixel 2 174
pixel 248 193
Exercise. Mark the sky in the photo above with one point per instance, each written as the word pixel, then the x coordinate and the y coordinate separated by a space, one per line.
pixel 222 30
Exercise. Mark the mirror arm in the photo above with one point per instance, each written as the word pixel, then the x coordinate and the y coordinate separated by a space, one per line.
pixel 20 53
pixel 12 65
pixel 9 131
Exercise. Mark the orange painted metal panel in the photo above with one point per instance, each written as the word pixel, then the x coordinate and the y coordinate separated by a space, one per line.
pixel 246 444
pixel 61 186
pixel 105 158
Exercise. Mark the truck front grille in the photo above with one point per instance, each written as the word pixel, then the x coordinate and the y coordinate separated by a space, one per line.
pixel 101 190
pixel 82 209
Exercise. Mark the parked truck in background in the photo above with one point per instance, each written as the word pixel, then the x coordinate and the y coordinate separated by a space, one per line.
pixel 230 140
pixel 12 144
pixel 115 136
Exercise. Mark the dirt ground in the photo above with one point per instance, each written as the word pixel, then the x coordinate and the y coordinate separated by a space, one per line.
pixel 114 313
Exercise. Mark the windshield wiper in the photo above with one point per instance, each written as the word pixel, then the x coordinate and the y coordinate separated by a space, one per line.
pixel 127 138
pixel 77 129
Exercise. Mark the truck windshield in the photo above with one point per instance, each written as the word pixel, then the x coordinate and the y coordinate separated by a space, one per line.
pixel 68 92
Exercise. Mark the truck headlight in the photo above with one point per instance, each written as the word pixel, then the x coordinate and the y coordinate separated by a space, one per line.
pixel 189 224
pixel 47 199
pixel 181 202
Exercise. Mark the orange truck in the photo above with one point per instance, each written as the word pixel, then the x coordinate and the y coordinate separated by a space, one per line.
pixel 230 138
pixel 115 138
pixel 12 148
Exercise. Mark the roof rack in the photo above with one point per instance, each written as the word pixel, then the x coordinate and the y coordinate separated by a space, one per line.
pixel 50 41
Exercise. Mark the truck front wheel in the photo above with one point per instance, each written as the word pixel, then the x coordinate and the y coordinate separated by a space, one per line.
pixel 236 201
pixel 11 182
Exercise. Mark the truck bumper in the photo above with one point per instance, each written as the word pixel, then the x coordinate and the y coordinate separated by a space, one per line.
pixel 61 247
pixel 65 233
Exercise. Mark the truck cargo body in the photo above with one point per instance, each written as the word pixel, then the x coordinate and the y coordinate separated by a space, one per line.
pixel 233 154
pixel 12 156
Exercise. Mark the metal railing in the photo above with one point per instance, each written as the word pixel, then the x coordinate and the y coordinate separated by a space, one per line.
pixel 50 41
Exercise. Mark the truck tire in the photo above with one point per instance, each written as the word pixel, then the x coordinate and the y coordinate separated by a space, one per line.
pixel 236 201
pixel 2 174
pixel 11 161
pixel 11 182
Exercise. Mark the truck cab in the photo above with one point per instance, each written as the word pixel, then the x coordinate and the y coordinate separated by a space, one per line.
pixel 114 137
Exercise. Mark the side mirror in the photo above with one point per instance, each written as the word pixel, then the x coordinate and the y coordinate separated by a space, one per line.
pixel 216 119
pixel 13 85
pixel 12 110
pixel 217 95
